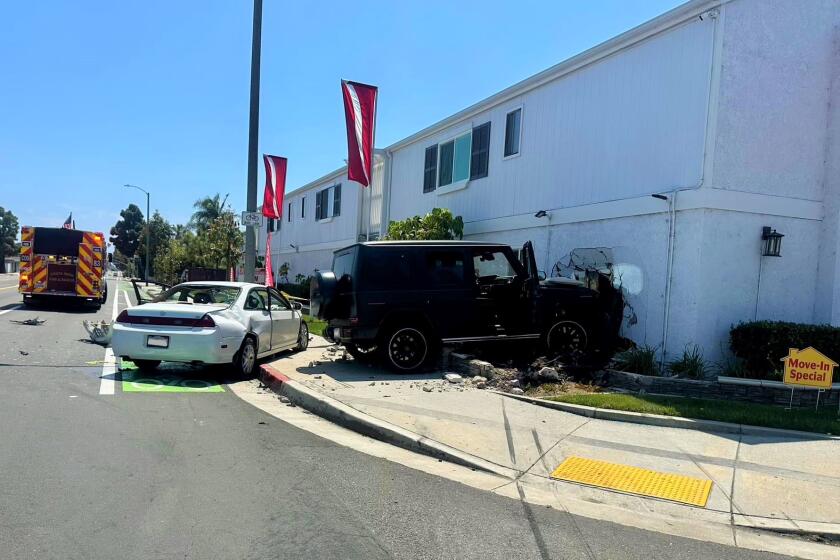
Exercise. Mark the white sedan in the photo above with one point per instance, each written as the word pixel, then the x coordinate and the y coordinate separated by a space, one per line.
pixel 210 323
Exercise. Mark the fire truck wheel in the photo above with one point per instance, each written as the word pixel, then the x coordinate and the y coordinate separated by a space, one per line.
pixel 104 296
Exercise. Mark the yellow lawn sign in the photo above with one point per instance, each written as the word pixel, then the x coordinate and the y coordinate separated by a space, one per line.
pixel 808 367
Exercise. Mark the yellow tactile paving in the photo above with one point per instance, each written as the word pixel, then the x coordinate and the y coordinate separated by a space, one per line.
pixel 635 480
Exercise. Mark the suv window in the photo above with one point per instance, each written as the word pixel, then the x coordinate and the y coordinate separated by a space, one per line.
pixel 343 264
pixel 257 300
pixel 492 263
pixel 445 268
pixel 388 269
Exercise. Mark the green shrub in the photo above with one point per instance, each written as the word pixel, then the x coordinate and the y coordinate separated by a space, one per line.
pixel 641 360
pixel 761 345
pixel 691 364
pixel 734 367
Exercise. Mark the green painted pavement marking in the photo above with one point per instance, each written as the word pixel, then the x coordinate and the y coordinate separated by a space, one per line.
pixel 134 381
pixel 146 383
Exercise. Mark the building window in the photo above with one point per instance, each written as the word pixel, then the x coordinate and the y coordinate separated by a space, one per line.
pixel 454 160
pixel 480 151
pixel 303 207
pixel 289 213
pixel 446 156
pixel 320 207
pixel 337 200
pixel 430 169
pixel 513 132
pixel 322 202
pixel 458 160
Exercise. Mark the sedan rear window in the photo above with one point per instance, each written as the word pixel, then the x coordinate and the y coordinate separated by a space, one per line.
pixel 224 295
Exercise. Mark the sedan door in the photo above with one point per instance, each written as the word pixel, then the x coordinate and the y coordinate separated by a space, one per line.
pixel 285 321
pixel 256 310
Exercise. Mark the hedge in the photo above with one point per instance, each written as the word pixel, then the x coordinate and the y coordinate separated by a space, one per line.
pixel 761 345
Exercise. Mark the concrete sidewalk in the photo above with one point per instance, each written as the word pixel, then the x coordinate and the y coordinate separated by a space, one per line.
pixel 789 484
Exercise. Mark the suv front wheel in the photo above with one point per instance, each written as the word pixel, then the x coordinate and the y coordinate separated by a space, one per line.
pixel 407 348
pixel 566 339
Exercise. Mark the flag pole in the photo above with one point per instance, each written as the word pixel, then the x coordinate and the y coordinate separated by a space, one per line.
pixel 372 163
pixel 253 140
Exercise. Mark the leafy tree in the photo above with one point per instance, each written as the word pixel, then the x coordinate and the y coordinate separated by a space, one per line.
pixel 437 224
pixel 225 240
pixel 126 233
pixel 125 264
pixel 8 235
pixel 207 210
pixel 160 232
pixel 173 259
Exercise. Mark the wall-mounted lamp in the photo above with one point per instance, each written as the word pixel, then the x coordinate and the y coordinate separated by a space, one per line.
pixel 541 214
pixel 771 242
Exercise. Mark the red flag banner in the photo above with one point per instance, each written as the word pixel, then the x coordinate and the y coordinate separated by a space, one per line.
pixel 275 185
pixel 360 113
pixel 269 270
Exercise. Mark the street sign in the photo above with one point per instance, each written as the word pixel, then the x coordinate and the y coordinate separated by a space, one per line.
pixel 808 367
pixel 251 219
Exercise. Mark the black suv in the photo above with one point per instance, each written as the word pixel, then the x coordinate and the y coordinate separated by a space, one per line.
pixel 403 299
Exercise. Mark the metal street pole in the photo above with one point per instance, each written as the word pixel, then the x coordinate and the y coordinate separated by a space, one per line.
pixel 148 230
pixel 253 140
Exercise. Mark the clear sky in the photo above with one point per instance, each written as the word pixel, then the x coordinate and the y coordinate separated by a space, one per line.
pixel 95 94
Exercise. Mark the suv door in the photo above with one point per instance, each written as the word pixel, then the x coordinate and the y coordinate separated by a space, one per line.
pixel 448 291
pixel 284 325
pixel 256 309
pixel 501 291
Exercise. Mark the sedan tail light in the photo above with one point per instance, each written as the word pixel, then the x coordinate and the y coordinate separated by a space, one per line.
pixel 204 322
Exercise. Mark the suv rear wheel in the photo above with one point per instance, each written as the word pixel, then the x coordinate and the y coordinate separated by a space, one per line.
pixel 407 348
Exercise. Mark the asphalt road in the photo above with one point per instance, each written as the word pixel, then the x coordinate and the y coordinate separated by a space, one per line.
pixel 153 474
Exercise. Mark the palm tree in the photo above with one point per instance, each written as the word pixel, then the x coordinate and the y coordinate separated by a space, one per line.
pixel 179 231
pixel 207 209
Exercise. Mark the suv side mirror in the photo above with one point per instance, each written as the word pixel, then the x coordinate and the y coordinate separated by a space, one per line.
pixel 296 305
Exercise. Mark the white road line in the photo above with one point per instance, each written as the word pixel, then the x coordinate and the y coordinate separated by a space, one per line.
pixel 127 301
pixel 107 381
pixel 10 309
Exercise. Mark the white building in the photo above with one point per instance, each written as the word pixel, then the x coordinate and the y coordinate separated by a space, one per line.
pixel 728 111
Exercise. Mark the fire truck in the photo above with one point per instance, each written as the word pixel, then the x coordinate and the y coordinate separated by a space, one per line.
pixel 62 262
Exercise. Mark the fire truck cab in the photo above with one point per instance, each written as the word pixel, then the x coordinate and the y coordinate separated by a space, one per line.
pixel 62 262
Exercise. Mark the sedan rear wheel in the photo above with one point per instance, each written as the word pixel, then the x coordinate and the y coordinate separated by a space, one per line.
pixel 146 365
pixel 245 360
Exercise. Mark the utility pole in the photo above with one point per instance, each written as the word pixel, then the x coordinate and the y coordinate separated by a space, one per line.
pixel 253 140
pixel 148 230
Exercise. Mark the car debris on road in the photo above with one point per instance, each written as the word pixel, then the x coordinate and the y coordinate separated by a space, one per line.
pixel 33 322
